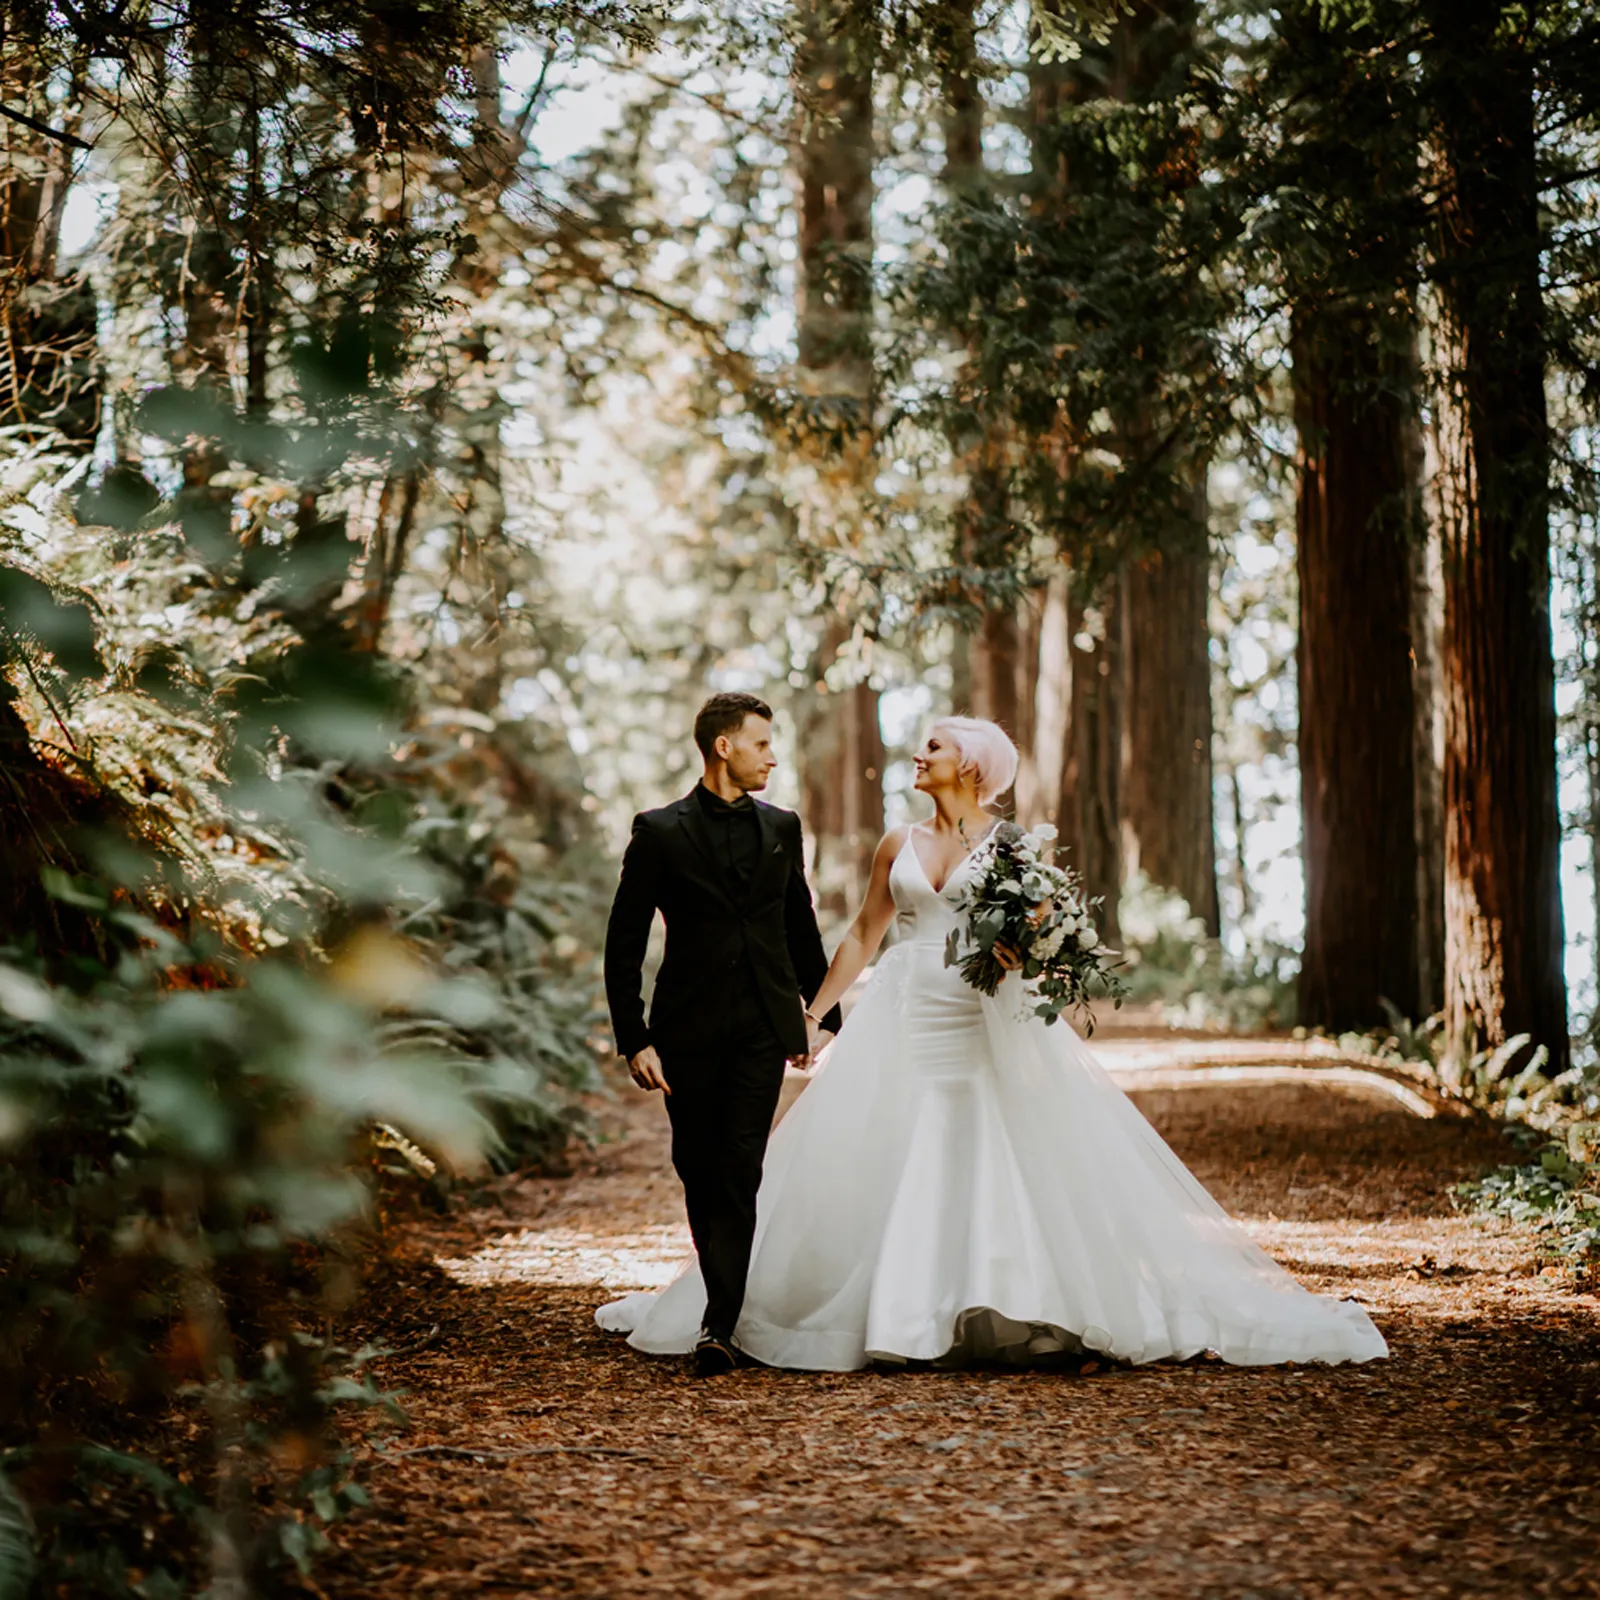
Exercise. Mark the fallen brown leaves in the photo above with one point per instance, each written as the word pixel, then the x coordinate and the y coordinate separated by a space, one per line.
pixel 548 1459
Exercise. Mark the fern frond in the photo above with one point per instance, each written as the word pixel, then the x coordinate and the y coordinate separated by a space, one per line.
pixel 16 1544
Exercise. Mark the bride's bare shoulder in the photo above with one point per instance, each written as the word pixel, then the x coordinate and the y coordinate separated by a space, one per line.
pixel 891 844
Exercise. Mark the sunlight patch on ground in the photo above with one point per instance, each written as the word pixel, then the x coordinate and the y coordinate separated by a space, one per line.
pixel 647 1258
pixel 1354 1243
pixel 1350 1080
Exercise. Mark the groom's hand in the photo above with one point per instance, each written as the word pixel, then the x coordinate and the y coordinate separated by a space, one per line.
pixel 646 1070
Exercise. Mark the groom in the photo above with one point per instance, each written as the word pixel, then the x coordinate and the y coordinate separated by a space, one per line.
pixel 743 958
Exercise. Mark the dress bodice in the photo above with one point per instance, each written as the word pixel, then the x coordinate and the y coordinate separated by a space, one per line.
pixel 922 913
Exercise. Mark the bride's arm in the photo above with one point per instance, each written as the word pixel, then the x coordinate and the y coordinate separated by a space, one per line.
pixel 866 933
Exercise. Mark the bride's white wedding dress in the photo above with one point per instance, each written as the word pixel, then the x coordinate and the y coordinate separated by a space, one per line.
pixel 961 1182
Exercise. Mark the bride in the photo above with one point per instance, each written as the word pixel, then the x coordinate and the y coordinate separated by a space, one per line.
pixel 961 1183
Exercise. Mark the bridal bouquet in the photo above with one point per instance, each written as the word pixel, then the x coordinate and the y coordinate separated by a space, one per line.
pixel 1023 903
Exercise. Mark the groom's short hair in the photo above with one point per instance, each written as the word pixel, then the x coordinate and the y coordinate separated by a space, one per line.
pixel 725 713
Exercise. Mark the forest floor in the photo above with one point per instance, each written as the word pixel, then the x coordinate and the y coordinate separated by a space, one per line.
pixel 546 1458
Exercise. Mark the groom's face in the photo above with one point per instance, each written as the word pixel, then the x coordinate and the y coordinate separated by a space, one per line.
pixel 747 751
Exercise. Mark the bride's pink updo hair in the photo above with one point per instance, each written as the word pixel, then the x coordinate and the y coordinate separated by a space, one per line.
pixel 986 752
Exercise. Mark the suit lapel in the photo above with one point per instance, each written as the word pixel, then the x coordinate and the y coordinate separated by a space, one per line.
pixel 769 845
pixel 692 820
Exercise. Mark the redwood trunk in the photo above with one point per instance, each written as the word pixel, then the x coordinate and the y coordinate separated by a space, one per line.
pixel 1169 830
pixel 1357 768
pixel 1028 797
pixel 1503 922
pixel 1052 705
pixel 996 656
pixel 841 783
pixel 842 747
pixel 834 71
pixel 1427 624
pixel 989 669
pixel 1090 811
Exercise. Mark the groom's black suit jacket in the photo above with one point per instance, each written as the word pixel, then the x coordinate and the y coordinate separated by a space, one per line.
pixel 722 936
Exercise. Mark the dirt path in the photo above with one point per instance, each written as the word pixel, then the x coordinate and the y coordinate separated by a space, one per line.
pixel 1467 1465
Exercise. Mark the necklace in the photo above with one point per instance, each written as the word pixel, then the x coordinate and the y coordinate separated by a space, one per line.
pixel 950 871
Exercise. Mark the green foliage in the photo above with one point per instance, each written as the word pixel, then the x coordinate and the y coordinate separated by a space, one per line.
pixel 16 1544
pixel 1412 1041
pixel 186 1119
pixel 1196 981
pixel 1021 899
pixel 1094 316
pixel 1548 1117
pixel 1557 1194
pixel 524 936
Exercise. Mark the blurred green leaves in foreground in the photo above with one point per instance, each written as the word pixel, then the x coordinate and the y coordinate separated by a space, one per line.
pixel 259 948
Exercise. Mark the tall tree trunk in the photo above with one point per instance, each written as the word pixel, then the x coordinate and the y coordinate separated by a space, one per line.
pixel 1168 821
pixel 1357 768
pixel 1586 715
pixel 841 777
pixel 990 658
pixel 1028 796
pixel 1086 699
pixel 1355 384
pixel 1090 810
pixel 1169 830
pixel 1427 626
pixel 996 656
pixel 1503 921
pixel 1052 705
pixel 47 321
pixel 1152 718
pixel 841 745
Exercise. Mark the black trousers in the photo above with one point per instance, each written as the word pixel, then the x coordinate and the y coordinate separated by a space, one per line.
pixel 722 1104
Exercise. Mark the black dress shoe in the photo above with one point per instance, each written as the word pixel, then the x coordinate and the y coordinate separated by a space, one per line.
pixel 713 1356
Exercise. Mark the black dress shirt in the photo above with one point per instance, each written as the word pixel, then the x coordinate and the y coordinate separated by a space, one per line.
pixel 735 832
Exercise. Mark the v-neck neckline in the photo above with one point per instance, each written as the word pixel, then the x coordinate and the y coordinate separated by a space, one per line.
pixel 911 840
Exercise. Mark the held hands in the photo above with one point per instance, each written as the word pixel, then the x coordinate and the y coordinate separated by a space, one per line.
pixel 646 1071
pixel 808 1060
pixel 814 1040
pixel 1007 955
pixel 645 1068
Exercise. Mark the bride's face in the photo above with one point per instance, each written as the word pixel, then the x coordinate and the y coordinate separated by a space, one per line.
pixel 937 765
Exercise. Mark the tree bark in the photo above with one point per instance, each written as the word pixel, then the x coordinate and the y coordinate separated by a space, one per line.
pixel 1090 810
pixel 1168 826
pixel 833 67
pixel 1052 706
pixel 842 747
pixel 991 658
pixel 1357 767
pixel 1503 919
pixel 47 322
pixel 841 777
pixel 1027 795
pixel 996 657
pixel 1427 626
pixel 1146 688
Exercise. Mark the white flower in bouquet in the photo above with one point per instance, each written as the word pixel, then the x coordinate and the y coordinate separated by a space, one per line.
pixel 1042 832
pixel 1025 904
